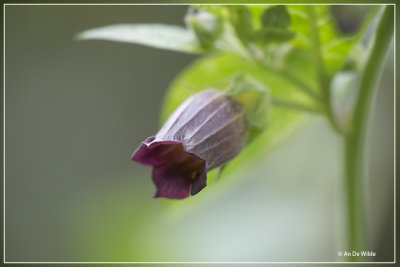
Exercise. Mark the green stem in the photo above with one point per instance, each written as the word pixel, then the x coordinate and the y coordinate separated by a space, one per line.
pixel 300 84
pixel 355 141
pixel 322 77
pixel 294 106
pixel 317 51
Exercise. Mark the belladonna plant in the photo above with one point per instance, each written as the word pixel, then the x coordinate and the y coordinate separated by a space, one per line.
pixel 205 132
pixel 272 66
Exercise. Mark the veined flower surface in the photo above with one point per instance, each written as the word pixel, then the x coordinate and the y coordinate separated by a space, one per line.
pixel 204 132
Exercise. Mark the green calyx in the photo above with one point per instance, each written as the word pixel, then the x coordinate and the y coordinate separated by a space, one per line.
pixel 255 98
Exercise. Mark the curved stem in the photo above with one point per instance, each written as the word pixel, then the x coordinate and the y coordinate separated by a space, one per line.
pixel 355 141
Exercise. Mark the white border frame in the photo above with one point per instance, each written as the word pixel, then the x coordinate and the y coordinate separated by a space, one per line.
pixel 186 262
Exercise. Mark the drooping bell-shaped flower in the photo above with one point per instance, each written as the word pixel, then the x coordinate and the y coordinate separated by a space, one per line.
pixel 204 132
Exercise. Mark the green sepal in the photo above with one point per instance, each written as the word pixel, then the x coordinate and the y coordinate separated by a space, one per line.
pixel 275 23
pixel 255 98
pixel 221 170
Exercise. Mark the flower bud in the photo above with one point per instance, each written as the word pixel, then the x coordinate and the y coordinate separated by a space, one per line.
pixel 203 133
pixel 206 26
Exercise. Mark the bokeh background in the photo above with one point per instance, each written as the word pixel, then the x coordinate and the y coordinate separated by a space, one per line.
pixel 75 111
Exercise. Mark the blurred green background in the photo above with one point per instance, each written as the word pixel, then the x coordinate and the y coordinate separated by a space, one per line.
pixel 75 111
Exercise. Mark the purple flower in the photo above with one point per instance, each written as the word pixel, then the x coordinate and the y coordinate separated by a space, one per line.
pixel 204 132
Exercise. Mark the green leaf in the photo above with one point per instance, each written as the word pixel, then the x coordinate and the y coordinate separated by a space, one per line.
pixel 216 71
pixel 336 47
pixel 241 19
pixel 161 36
pixel 268 35
pixel 276 17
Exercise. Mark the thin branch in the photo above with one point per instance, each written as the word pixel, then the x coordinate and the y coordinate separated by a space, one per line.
pixel 309 91
pixel 294 106
pixel 300 84
pixel 317 51
pixel 320 69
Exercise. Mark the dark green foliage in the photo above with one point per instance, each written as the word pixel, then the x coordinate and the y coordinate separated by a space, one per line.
pixel 275 17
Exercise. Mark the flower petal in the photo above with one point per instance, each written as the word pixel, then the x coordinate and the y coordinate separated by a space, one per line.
pixel 206 131
pixel 175 179
pixel 170 185
pixel 155 153
pixel 176 173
